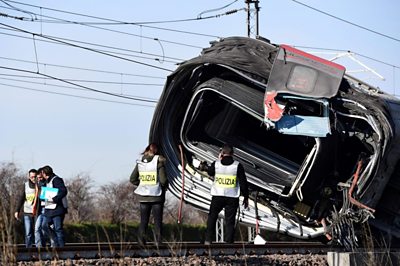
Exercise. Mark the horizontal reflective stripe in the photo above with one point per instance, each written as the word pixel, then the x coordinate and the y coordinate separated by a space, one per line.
pixel 228 181
pixel 148 178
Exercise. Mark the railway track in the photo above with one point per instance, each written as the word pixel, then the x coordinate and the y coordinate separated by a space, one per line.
pixel 168 249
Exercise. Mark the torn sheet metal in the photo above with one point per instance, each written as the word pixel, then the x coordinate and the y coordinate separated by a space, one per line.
pixel 322 124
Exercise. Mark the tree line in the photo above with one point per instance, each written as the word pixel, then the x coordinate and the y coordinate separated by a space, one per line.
pixel 113 203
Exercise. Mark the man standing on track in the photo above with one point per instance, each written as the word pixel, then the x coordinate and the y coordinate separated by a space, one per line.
pixel 27 200
pixel 229 182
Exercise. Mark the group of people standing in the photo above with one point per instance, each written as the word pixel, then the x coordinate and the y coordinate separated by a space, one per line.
pixel 43 202
pixel 43 205
pixel 229 183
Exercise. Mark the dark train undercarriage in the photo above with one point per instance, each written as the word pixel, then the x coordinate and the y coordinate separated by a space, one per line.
pixel 320 148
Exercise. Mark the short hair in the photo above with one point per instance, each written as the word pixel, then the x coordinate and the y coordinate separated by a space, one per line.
pixel 47 170
pixel 227 149
pixel 33 171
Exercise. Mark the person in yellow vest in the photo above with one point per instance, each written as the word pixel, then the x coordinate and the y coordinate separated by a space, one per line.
pixel 27 201
pixel 229 182
pixel 150 178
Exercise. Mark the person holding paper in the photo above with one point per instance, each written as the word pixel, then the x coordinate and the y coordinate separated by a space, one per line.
pixel 54 196
pixel 40 227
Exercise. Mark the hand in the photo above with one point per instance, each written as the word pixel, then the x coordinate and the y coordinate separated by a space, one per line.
pixel 246 203
pixel 16 215
pixel 203 166
pixel 49 198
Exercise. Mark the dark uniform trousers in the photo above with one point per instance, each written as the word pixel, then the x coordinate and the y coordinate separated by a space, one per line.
pixel 217 204
pixel 145 209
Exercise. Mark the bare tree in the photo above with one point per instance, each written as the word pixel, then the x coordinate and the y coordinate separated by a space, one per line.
pixel 189 214
pixel 117 202
pixel 80 199
pixel 10 180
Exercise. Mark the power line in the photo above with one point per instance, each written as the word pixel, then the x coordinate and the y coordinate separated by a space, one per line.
pixel 348 51
pixel 140 23
pixel 113 20
pixel 90 81
pixel 81 68
pixel 75 96
pixel 85 48
pixel 346 21
pixel 177 60
pixel 216 9
pixel 61 86
pixel 99 50
pixel 78 85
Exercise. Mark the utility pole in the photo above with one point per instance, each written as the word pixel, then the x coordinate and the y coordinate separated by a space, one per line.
pixel 252 18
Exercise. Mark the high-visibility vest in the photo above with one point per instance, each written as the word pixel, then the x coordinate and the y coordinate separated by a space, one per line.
pixel 29 198
pixel 149 184
pixel 225 181
pixel 49 204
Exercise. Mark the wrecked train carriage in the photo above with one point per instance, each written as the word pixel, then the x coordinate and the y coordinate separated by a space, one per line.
pixel 319 149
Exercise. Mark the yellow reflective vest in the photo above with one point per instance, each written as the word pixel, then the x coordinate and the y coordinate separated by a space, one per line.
pixel 29 198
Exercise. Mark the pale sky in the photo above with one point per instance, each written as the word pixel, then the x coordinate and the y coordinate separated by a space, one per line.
pixel 103 138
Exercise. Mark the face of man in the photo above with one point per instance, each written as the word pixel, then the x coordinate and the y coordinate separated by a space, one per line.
pixel 39 176
pixel 32 176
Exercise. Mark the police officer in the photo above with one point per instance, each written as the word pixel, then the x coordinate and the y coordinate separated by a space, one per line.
pixel 151 181
pixel 27 200
pixel 229 182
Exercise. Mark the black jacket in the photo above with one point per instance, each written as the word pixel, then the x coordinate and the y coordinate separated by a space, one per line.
pixel 62 192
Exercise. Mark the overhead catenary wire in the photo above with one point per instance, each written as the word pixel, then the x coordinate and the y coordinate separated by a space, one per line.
pixel 297 46
pixel 45 83
pixel 348 51
pixel 216 9
pixel 348 22
pixel 78 85
pixel 75 96
pixel 88 81
pixel 113 20
pixel 117 22
pixel 175 60
pixel 121 22
pixel 186 32
pixel 82 68
pixel 206 35
pixel 84 48
pixel 141 23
